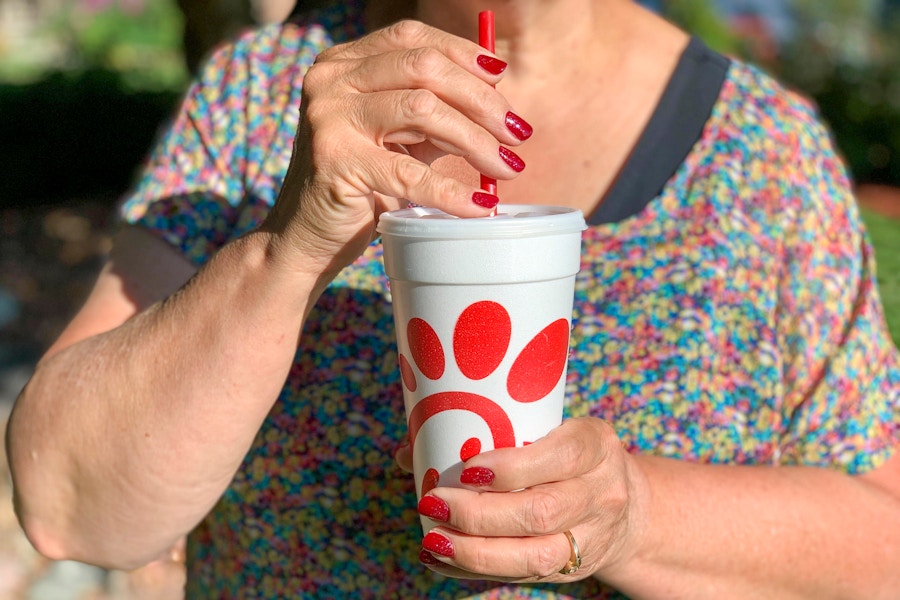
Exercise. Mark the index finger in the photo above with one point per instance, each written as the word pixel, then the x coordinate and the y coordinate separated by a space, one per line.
pixel 408 34
pixel 569 451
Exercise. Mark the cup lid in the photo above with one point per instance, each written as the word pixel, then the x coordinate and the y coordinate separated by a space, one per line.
pixel 512 220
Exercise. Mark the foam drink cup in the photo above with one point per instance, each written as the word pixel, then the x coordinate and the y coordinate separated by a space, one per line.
pixel 482 310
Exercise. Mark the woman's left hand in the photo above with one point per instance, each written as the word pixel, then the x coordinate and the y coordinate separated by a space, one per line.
pixel 578 478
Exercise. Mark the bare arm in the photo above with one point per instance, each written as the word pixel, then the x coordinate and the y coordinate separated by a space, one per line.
pixel 146 415
pixel 766 532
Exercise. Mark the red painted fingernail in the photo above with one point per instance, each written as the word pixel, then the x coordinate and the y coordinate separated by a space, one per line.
pixel 492 65
pixel 519 126
pixel 434 508
pixel 439 544
pixel 477 476
pixel 512 159
pixel 486 200
pixel 427 558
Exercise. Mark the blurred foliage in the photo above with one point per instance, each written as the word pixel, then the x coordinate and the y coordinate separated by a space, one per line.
pixel 144 46
pixel 885 236
pixel 76 134
pixel 846 61
pixel 700 18
pixel 141 40
pixel 84 94
pixel 843 55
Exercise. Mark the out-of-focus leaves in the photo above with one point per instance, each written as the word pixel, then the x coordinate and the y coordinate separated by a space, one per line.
pixel 843 55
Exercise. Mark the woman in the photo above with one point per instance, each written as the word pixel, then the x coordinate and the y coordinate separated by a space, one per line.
pixel 733 394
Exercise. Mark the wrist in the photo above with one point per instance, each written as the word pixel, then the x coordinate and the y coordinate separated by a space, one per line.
pixel 634 542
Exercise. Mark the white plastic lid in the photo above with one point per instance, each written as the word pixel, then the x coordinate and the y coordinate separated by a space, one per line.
pixel 512 220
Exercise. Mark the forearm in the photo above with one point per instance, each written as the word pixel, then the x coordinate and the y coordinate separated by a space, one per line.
pixel 122 442
pixel 761 532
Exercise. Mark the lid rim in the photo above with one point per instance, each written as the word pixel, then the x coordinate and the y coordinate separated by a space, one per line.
pixel 409 222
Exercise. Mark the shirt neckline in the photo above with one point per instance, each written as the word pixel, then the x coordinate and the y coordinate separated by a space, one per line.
pixel 675 126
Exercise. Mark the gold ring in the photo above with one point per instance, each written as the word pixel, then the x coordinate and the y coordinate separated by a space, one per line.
pixel 574 555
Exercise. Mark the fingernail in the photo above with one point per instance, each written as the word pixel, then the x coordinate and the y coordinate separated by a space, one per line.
pixel 439 544
pixel 486 200
pixel 492 65
pixel 434 508
pixel 512 159
pixel 519 127
pixel 480 476
pixel 427 558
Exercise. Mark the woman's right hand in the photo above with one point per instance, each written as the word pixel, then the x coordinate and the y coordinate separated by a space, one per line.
pixel 375 114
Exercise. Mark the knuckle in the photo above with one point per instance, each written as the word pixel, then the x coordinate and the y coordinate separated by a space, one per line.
pixel 482 559
pixel 545 511
pixel 470 518
pixel 323 145
pixel 618 496
pixel 405 32
pixel 326 55
pixel 423 63
pixel 543 561
pixel 316 112
pixel 443 189
pixel 419 104
pixel 572 450
pixel 316 77
pixel 409 173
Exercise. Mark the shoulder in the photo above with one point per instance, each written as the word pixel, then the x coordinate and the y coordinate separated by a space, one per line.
pixel 278 54
pixel 764 118
pixel 766 151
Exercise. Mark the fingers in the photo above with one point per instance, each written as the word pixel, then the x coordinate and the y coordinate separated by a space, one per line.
pixel 571 450
pixel 410 117
pixel 509 520
pixel 421 69
pixel 374 116
pixel 401 176
pixel 506 559
pixel 405 35
pixel 536 511
pixel 380 94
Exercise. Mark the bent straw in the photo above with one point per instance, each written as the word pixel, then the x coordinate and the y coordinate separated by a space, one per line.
pixel 486 41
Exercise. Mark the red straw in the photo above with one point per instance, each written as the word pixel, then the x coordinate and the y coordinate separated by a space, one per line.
pixel 486 41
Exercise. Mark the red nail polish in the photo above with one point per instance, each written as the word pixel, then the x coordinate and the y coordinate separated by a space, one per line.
pixel 434 508
pixel 439 544
pixel 512 159
pixel 480 476
pixel 485 200
pixel 427 558
pixel 492 65
pixel 519 127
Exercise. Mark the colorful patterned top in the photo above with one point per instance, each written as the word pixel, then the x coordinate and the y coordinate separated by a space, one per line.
pixel 735 319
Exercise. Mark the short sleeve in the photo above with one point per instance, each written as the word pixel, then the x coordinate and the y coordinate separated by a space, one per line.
pixel 217 169
pixel 190 188
pixel 841 403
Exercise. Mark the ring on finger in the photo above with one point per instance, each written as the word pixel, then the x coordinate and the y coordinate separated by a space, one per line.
pixel 574 561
